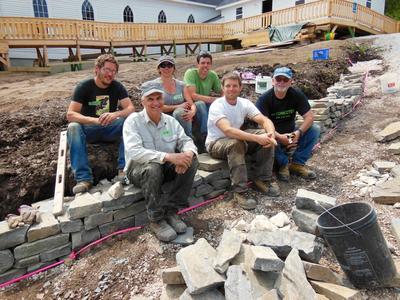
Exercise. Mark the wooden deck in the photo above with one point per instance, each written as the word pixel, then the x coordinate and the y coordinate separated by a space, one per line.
pixel 21 32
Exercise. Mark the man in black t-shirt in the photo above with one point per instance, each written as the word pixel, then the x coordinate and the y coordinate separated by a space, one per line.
pixel 96 113
pixel 295 145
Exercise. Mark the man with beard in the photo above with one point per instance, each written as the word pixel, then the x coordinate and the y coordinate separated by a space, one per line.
pixel 227 140
pixel 96 113
pixel 295 145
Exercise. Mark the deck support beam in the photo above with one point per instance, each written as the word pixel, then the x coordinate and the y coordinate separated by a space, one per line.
pixel 192 51
pixel 139 53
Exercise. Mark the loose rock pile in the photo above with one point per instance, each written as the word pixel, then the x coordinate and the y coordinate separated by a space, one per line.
pixel 264 259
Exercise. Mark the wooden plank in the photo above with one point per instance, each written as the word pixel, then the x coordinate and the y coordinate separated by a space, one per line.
pixel 60 176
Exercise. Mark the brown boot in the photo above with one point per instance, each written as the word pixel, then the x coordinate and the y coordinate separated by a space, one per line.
pixel 82 187
pixel 302 171
pixel 283 173
pixel 270 188
pixel 244 202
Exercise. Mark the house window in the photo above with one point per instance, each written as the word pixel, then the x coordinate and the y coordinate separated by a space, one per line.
pixel 128 14
pixel 369 3
pixel 298 2
pixel 191 19
pixel 162 18
pixel 87 11
pixel 239 13
pixel 40 9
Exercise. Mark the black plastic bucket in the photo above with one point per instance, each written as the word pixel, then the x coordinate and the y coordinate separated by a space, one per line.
pixel 358 244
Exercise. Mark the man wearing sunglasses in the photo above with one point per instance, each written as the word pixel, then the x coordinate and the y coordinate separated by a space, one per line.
pixel 96 113
pixel 280 104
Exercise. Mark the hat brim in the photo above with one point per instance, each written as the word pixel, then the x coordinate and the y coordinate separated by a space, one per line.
pixel 283 74
pixel 166 60
pixel 152 91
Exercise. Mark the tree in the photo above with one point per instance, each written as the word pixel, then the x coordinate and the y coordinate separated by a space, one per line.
pixel 392 9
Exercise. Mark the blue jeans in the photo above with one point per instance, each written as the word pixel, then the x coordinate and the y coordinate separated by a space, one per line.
pixel 202 116
pixel 78 135
pixel 187 125
pixel 303 150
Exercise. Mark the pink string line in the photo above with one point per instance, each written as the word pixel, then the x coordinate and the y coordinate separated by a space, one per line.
pixel 75 254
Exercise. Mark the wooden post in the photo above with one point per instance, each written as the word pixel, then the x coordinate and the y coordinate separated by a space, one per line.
pixel 60 176
pixel 45 56
pixel 78 52
pixel 330 8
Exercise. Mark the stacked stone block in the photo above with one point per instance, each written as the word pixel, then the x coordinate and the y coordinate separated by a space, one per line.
pixel 90 216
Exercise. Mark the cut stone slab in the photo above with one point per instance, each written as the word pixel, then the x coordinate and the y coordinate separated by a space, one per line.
pixel 395 227
pixel 262 223
pixel 210 176
pixel 335 292
pixel 172 291
pixel 108 228
pixel 12 237
pixel 390 132
pixel 6 260
pixel 221 184
pixel 132 195
pixel 84 237
pixel 11 274
pixel 203 190
pixel 197 181
pixel 313 201
pixel 243 256
pixel 95 220
pixel 36 247
pixel 116 190
pixel 67 225
pixel 84 205
pixel 214 194
pixel 184 239
pixel 206 295
pixel 306 220
pixel 387 192
pixel 129 211
pixel 196 264
pixel 292 282
pixel 321 273
pixel 394 148
pixel 309 246
pixel 26 262
pixel 47 226
pixel 280 219
pixel 228 248
pixel 207 163
pixel 172 276
pixel 264 259
pixel 237 285
pixel 383 165
pixel 395 172
pixel 55 253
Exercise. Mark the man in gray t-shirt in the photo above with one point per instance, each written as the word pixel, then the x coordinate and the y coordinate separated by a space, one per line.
pixel 226 140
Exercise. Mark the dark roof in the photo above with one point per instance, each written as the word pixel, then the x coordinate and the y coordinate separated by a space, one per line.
pixel 210 2
pixel 213 19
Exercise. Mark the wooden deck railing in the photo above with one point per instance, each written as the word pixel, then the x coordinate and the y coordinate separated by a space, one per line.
pixel 324 11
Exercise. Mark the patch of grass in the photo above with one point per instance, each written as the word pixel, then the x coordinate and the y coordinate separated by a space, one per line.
pixel 363 51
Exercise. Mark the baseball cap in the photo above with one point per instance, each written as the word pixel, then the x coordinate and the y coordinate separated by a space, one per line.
pixel 165 58
pixel 150 89
pixel 283 71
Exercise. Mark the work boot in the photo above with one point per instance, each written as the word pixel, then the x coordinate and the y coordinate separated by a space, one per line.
pixel 302 171
pixel 283 173
pixel 176 223
pixel 270 188
pixel 244 202
pixel 163 231
pixel 82 187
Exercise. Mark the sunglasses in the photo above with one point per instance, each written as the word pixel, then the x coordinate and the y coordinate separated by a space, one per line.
pixel 108 70
pixel 166 65
pixel 282 79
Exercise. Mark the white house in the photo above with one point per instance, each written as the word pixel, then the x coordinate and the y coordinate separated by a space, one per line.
pixel 147 11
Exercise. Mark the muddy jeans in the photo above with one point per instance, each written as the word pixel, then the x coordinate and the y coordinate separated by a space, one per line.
pixel 150 177
pixel 235 151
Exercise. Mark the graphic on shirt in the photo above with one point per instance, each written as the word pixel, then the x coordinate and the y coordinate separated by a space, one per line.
pixel 102 104
pixel 283 114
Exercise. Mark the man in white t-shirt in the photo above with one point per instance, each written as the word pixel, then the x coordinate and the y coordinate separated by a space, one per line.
pixel 225 140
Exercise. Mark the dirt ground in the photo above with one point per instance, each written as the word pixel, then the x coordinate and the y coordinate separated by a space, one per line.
pixel 32 113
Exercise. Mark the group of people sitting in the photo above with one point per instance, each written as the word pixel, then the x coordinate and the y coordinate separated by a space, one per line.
pixel 156 144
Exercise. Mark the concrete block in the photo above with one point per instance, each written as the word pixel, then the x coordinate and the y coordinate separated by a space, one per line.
pixel 47 226
pixel 11 237
pixel 36 247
